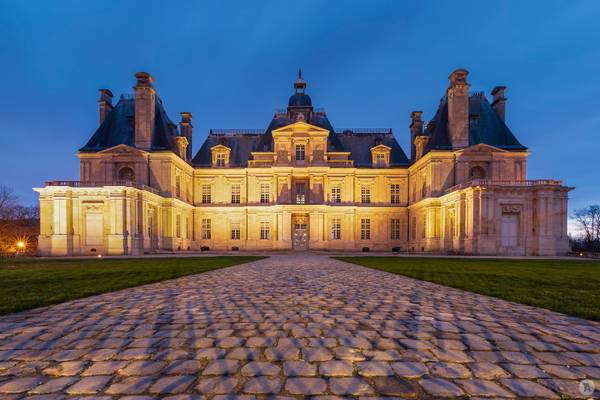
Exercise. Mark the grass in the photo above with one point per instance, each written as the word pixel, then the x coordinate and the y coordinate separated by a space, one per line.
pixel 568 286
pixel 32 283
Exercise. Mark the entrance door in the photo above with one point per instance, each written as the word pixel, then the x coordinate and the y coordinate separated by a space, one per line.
pixel 300 236
pixel 509 230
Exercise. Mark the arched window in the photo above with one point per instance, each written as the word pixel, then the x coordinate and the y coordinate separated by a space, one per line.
pixel 477 173
pixel 126 174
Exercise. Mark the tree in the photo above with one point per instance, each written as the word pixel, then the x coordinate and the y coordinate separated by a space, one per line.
pixel 588 219
pixel 18 223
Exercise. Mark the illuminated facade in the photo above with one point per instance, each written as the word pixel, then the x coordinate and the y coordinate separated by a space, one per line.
pixel 300 184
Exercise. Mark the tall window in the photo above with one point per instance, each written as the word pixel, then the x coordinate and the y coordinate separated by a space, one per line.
pixel 395 193
pixel 336 194
pixel 365 229
pixel 365 194
pixel 424 231
pixel 265 230
pixel 220 159
pixel 235 230
pixel 235 194
pixel 395 229
pixel 336 229
pixel 265 193
pixel 300 193
pixel 178 186
pixel 206 194
pixel 186 223
pixel 380 159
pixel 206 228
pixel 178 226
pixel 300 152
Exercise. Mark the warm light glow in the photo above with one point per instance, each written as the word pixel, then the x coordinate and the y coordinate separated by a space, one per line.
pixel 99 256
pixel 21 244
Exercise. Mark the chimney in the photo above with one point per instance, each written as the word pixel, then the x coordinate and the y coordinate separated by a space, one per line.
pixel 145 100
pixel 186 131
pixel 458 109
pixel 499 101
pixel 105 105
pixel 416 129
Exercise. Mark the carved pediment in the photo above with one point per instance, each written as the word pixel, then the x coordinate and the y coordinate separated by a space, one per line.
pixel 300 127
pixel 122 149
pixel 481 148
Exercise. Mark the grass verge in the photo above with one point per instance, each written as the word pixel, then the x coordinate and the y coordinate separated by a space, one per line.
pixel 568 286
pixel 32 283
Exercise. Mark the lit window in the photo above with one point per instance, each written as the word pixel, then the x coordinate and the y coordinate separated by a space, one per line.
pixel 300 152
pixel 235 230
pixel 336 229
pixel 300 193
pixel 177 186
pixel 206 194
pixel 380 159
pixel 265 230
pixel 265 193
pixel 395 229
pixel 220 159
pixel 395 193
pixel 365 229
pixel 178 226
pixel 365 194
pixel 206 228
pixel 336 194
pixel 235 194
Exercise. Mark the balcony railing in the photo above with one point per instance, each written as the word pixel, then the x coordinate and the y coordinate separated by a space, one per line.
pixel 511 183
pixel 78 184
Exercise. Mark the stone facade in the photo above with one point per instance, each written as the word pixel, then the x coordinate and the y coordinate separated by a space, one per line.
pixel 302 185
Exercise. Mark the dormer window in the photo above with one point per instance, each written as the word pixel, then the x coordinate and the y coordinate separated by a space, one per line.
pixel 220 156
pixel 220 160
pixel 300 152
pixel 380 156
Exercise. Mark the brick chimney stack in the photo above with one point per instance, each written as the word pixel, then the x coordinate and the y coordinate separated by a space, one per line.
pixel 105 105
pixel 458 109
pixel 145 101
pixel 499 101
pixel 416 129
pixel 186 131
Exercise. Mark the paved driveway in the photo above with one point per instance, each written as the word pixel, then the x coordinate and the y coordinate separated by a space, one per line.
pixel 294 326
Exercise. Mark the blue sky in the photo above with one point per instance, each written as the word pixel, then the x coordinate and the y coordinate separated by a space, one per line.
pixel 231 64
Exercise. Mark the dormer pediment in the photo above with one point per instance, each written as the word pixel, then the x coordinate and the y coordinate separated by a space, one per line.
pixel 300 128
pixel 220 155
pixel 220 147
pixel 381 148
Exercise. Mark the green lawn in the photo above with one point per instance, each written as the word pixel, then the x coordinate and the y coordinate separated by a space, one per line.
pixel 31 283
pixel 570 287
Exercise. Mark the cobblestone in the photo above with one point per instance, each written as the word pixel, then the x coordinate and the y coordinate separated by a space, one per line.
pixel 293 326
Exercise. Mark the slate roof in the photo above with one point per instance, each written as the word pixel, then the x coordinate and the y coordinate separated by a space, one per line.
pixel 240 143
pixel 119 128
pixel 485 126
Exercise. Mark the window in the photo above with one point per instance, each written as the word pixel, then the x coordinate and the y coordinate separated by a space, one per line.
pixel 178 186
pixel 395 229
pixel 336 229
pixel 477 173
pixel 206 194
pixel 424 189
pixel 235 230
pixel 395 193
pixel 186 222
pixel 126 174
pixel 424 232
pixel 206 228
pixel 265 193
pixel 380 159
pixel 220 159
pixel 365 229
pixel 365 194
pixel 300 152
pixel 336 194
pixel 300 193
pixel 235 194
pixel 178 226
pixel 265 230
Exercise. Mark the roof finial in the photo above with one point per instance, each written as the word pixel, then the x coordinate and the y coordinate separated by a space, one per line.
pixel 299 83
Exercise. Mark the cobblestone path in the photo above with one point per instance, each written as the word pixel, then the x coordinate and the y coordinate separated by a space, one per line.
pixel 294 327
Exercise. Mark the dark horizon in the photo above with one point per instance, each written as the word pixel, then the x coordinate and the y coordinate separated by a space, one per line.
pixel 232 64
